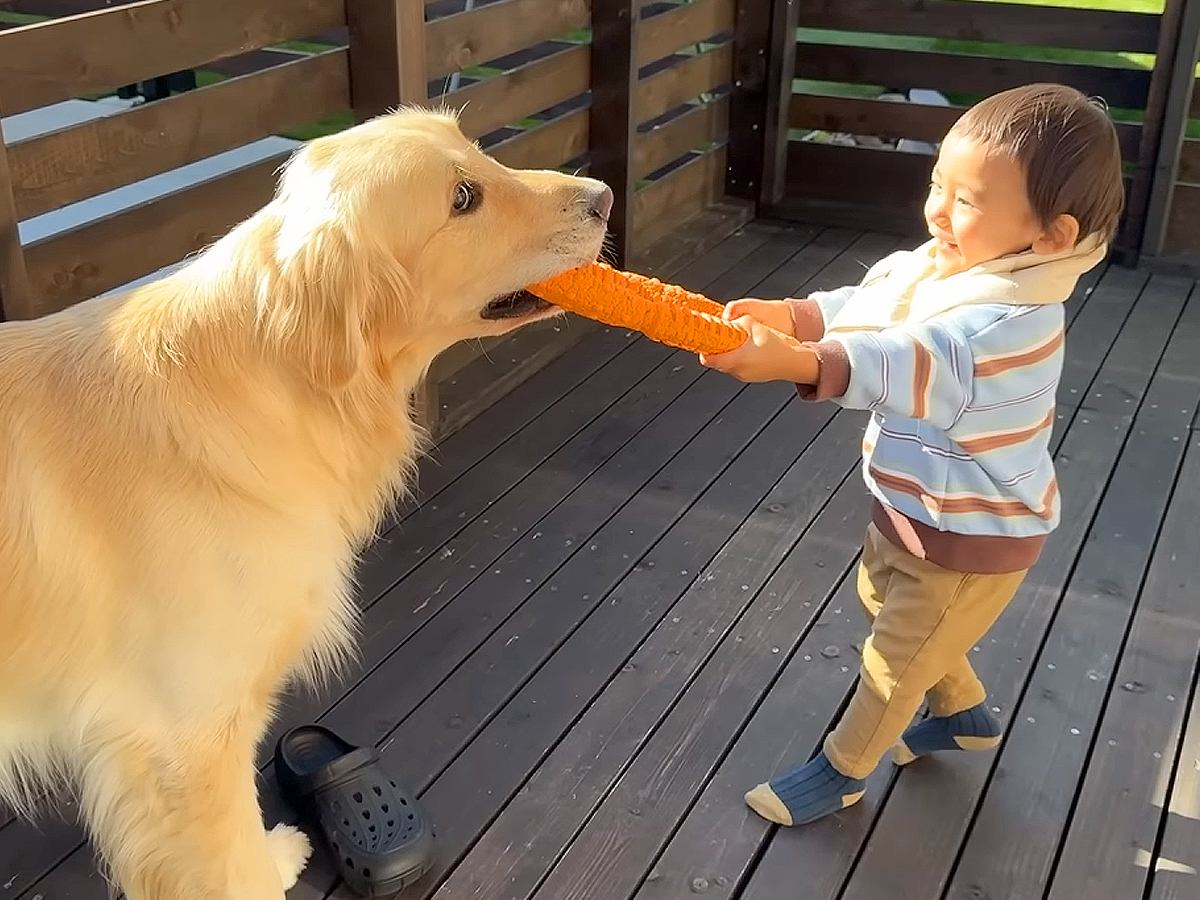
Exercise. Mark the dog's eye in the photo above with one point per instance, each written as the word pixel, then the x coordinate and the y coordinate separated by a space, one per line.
pixel 464 197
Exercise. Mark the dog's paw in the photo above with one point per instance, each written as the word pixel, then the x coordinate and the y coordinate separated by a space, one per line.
pixel 290 848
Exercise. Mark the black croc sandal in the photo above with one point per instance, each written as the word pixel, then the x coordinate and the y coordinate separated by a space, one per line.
pixel 375 829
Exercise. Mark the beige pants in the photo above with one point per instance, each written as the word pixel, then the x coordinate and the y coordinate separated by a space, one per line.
pixel 924 622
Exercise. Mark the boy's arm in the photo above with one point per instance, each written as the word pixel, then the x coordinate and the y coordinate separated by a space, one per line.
pixel 811 314
pixel 922 371
pixel 994 357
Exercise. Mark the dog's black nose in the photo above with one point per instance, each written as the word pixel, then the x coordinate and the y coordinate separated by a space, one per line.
pixel 602 203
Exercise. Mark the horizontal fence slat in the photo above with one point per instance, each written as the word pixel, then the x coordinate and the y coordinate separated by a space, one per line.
pixel 881 118
pixel 857 187
pixel 668 32
pixel 673 87
pixel 533 87
pixel 99 51
pixel 252 61
pixel 481 35
pixel 661 206
pixel 961 73
pixel 115 250
pixel 67 165
pixel 1011 23
pixel 671 140
pixel 860 177
pixel 918 122
pixel 546 146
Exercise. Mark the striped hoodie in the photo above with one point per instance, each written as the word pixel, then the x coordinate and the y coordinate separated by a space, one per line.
pixel 960 374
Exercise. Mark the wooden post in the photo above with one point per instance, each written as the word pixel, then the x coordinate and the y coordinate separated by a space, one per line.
pixel 15 298
pixel 613 115
pixel 387 55
pixel 781 70
pixel 748 107
pixel 388 70
pixel 1153 192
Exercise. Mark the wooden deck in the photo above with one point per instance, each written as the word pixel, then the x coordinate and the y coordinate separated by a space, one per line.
pixel 627 596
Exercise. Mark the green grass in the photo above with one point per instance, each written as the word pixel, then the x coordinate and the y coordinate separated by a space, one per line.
pixel 303 47
pixel 1144 6
pixel 205 78
pixel 482 72
pixel 16 18
pixel 320 128
pixel 1120 60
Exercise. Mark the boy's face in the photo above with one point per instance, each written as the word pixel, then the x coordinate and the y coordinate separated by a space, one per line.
pixel 978 206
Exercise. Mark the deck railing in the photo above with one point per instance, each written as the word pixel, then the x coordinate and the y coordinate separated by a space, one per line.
pixel 856 60
pixel 1172 229
pixel 675 103
pixel 642 100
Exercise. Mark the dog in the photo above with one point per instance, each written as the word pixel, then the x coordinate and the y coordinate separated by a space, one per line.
pixel 189 469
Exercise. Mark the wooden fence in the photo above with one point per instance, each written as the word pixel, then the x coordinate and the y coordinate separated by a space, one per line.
pixel 1183 234
pixel 539 97
pixel 675 103
pixel 1172 234
pixel 850 52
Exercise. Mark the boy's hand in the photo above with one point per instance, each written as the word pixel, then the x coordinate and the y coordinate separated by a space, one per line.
pixel 766 355
pixel 774 314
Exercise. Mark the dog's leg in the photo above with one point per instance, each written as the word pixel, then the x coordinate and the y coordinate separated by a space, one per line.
pixel 182 822
pixel 290 848
pixel 29 767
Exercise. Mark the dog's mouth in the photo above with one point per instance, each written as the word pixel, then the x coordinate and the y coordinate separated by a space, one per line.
pixel 515 306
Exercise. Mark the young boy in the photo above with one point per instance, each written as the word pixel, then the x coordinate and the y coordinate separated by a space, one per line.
pixel 956 348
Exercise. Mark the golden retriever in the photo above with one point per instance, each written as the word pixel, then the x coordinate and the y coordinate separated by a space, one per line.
pixel 188 470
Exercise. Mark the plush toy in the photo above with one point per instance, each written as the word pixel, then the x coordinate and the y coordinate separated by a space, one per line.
pixel 665 313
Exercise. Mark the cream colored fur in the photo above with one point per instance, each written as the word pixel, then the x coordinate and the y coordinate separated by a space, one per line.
pixel 188 470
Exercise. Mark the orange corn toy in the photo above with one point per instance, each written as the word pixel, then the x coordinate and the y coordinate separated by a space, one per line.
pixel 665 313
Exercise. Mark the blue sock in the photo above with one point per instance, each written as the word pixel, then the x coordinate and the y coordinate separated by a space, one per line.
pixel 806 794
pixel 972 729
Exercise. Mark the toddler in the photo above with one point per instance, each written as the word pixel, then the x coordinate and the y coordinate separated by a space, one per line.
pixel 956 348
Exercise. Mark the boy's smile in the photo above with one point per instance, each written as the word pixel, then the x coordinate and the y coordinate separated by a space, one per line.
pixel 978 208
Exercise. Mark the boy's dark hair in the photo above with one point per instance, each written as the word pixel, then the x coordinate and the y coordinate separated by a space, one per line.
pixel 1067 146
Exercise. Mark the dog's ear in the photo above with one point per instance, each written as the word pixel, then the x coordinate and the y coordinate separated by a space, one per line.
pixel 319 303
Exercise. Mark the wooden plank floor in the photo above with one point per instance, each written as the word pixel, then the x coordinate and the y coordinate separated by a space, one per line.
pixel 626 596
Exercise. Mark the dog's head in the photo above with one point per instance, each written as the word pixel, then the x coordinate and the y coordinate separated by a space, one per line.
pixel 399 236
